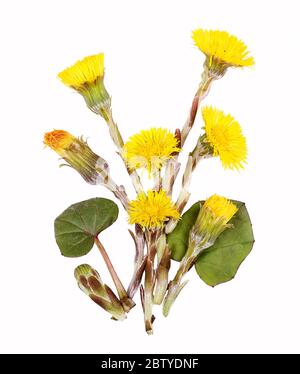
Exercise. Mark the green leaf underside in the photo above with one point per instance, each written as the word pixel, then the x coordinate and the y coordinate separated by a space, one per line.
pixel 77 226
pixel 219 263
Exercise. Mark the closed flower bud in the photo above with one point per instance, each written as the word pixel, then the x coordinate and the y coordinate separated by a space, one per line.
pixel 212 220
pixel 90 283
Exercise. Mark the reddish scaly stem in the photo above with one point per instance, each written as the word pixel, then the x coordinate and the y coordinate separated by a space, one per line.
pixel 127 303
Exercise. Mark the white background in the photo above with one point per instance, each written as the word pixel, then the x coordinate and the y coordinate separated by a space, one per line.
pixel 152 71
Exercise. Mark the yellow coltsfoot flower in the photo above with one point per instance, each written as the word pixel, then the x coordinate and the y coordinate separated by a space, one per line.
pixel 224 138
pixel 86 77
pixel 222 51
pixel 78 155
pixel 212 220
pixel 150 149
pixel 220 208
pixel 152 210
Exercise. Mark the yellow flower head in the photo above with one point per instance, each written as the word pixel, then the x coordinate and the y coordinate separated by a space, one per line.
pixel 222 50
pixel 150 149
pixel 86 77
pixel 58 140
pixel 152 210
pixel 224 135
pixel 212 220
pixel 220 207
pixel 83 72
pixel 78 155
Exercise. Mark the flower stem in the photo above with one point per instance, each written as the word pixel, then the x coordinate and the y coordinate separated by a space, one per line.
pixel 149 281
pixel 184 194
pixel 172 167
pixel 176 285
pixel 188 260
pixel 199 96
pixel 126 301
pixel 118 140
pixel 139 261
pixel 172 170
pixel 120 193
pixel 157 180
pixel 118 190
pixel 161 277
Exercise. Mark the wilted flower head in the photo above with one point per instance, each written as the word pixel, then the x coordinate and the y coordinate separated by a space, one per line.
pixel 86 77
pixel 58 140
pixel 152 210
pixel 212 220
pixel 78 155
pixel 222 50
pixel 150 149
pixel 224 136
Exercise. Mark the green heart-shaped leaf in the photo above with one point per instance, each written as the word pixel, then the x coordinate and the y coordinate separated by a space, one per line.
pixel 76 228
pixel 220 263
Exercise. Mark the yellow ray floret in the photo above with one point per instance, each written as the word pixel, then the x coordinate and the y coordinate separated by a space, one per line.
pixel 224 134
pixel 150 149
pixel 220 207
pixel 58 140
pixel 84 71
pixel 152 210
pixel 220 45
